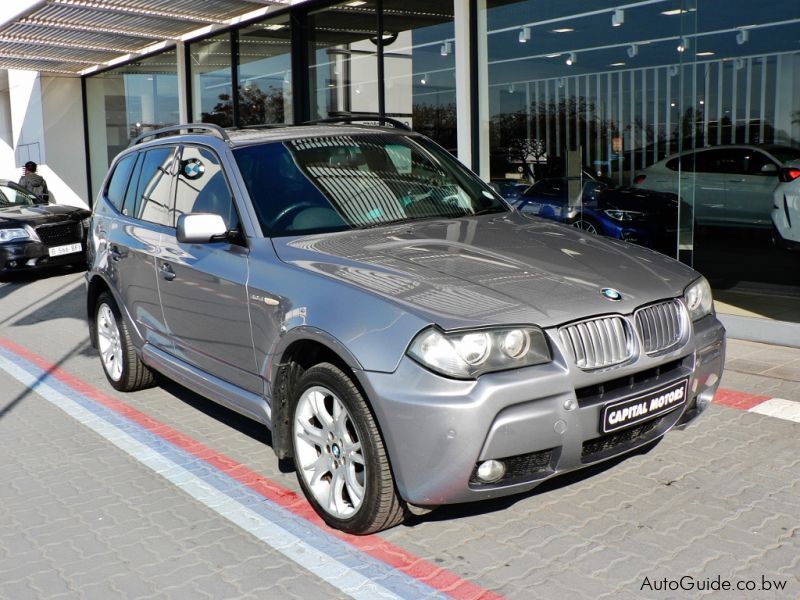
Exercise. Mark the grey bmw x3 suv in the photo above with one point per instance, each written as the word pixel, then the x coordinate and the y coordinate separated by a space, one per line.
pixel 408 338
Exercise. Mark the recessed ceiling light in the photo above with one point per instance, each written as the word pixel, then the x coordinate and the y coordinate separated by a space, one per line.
pixel 563 30
pixel 617 64
pixel 552 55
pixel 706 53
pixel 356 3
pixel 676 11
pixel 275 27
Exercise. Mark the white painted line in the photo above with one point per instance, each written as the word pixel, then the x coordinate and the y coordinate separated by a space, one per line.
pixel 320 564
pixel 788 410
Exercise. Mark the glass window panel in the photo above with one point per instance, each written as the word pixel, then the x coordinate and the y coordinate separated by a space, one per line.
pixel 124 102
pixel 419 64
pixel 343 73
pixel 265 73
pixel 153 199
pixel 211 75
pixel 201 187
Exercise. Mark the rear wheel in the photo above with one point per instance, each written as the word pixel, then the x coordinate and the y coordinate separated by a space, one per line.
pixel 339 455
pixel 586 225
pixel 123 368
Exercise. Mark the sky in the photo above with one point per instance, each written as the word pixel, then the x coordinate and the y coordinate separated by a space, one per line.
pixel 11 8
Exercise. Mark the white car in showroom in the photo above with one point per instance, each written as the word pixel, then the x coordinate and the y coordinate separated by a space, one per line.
pixel 733 185
pixel 786 207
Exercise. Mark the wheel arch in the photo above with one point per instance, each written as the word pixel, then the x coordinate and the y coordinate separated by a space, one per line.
pixel 305 349
pixel 96 286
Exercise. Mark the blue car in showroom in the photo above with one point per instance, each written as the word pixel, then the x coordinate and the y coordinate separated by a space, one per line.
pixel 596 205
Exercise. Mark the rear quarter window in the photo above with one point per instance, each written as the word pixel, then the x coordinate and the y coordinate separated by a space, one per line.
pixel 118 184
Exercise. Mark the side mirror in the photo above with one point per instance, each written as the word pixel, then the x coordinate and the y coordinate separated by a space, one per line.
pixel 201 228
pixel 769 168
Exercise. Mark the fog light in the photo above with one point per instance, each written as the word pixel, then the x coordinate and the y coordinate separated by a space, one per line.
pixel 490 471
pixel 12 263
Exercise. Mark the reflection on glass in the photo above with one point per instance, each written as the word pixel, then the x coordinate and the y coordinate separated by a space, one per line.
pixel 124 102
pixel 211 80
pixel 265 73
pixel 419 51
pixel 343 73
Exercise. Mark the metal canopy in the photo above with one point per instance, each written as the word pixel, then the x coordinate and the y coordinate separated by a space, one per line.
pixel 73 37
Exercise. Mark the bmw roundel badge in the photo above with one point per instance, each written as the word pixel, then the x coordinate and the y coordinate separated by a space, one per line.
pixel 611 294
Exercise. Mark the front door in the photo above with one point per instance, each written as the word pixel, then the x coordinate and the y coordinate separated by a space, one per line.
pixel 204 286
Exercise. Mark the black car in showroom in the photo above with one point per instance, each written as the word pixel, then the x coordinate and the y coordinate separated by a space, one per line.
pixel 34 234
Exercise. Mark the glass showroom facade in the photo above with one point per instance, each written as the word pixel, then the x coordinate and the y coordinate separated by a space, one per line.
pixel 582 100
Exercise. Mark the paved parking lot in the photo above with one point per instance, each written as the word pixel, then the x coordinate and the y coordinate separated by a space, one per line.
pixel 162 494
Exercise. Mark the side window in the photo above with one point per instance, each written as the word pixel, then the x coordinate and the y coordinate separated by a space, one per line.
pixel 129 204
pixel 684 163
pixel 118 184
pixel 153 197
pixel 202 187
pixel 733 161
pixel 755 161
pixel 709 161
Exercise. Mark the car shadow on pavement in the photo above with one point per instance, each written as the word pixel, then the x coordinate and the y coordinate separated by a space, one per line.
pixel 43 273
pixel 226 416
pixel 470 509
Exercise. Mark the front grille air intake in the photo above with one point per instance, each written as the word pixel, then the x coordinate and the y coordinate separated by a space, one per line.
pixel 660 326
pixel 598 343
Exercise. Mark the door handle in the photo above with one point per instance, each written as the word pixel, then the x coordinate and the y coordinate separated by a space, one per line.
pixel 167 272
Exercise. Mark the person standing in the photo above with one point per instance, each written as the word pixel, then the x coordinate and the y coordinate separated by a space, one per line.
pixel 33 182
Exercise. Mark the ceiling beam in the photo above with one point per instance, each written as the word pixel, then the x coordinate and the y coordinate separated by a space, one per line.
pixel 99 6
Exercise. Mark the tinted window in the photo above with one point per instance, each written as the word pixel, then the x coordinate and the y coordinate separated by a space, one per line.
pixel 684 163
pixel 130 195
pixel 755 161
pixel 14 195
pixel 340 182
pixel 153 200
pixel 119 181
pixel 708 161
pixel 202 188
pixel 546 187
pixel 784 153
pixel 733 161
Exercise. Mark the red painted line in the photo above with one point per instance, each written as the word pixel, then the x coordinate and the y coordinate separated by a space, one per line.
pixel 436 577
pixel 739 400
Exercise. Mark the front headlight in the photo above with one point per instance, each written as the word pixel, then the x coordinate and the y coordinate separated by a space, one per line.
pixel 623 215
pixel 467 354
pixel 698 299
pixel 11 234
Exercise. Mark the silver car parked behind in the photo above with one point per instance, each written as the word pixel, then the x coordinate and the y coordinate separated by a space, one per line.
pixel 407 337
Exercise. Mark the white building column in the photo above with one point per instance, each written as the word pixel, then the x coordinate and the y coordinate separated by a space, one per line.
pixel 46 124
pixel 183 77
pixel 463 78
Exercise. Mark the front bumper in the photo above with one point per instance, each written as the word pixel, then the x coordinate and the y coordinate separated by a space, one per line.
pixel 28 254
pixel 542 420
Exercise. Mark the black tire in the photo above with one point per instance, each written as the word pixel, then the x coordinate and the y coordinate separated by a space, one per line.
pixel 381 507
pixel 133 375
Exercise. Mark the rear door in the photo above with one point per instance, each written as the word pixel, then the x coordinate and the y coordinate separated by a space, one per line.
pixel 204 286
pixel 708 182
pixel 133 239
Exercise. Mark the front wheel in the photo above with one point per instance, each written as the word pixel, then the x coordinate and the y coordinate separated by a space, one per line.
pixel 339 455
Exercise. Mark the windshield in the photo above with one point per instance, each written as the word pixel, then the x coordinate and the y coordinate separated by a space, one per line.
pixel 12 195
pixel 334 183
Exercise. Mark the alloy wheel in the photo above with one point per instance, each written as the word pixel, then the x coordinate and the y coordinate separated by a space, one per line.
pixel 328 452
pixel 109 342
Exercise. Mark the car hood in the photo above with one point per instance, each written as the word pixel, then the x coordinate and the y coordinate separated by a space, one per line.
pixel 490 269
pixel 40 214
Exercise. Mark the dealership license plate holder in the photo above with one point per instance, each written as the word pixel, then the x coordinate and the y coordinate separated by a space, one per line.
pixel 644 406
pixel 62 250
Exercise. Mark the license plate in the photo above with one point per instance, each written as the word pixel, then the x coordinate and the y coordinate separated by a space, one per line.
pixel 62 250
pixel 644 406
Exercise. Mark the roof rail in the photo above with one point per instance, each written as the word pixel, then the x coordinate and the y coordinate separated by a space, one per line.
pixel 351 118
pixel 209 127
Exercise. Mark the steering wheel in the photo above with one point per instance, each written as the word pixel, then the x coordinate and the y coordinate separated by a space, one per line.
pixel 290 211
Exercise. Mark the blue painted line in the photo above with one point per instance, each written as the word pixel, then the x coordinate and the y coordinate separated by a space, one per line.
pixel 393 580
